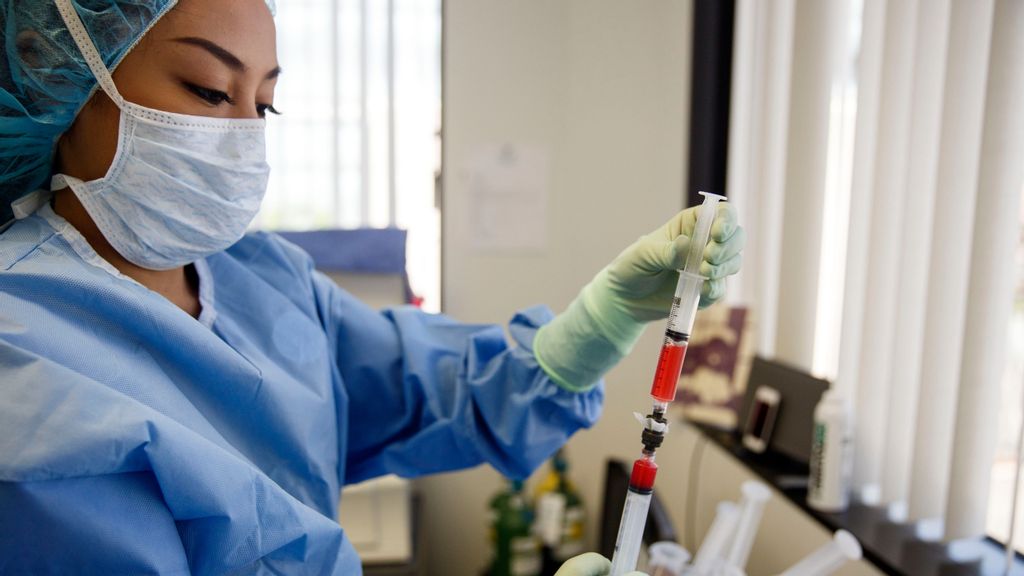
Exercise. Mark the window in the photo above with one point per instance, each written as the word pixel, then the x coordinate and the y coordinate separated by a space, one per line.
pixel 357 144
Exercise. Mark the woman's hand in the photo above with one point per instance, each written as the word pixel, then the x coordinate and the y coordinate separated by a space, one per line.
pixel 589 564
pixel 603 323
pixel 642 279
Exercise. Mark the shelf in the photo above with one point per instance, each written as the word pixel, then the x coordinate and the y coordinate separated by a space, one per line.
pixel 891 547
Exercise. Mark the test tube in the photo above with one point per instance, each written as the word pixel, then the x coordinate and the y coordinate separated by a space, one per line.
pixel 712 550
pixel 666 559
pixel 755 496
pixel 829 558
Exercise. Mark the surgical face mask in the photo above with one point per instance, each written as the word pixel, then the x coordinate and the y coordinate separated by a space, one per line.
pixel 180 187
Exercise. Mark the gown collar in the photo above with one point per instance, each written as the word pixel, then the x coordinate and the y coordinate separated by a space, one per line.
pixel 78 243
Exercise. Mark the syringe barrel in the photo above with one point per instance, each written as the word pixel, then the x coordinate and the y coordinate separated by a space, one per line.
pixel 825 560
pixel 684 305
pixel 755 496
pixel 712 549
pixel 677 336
pixel 631 532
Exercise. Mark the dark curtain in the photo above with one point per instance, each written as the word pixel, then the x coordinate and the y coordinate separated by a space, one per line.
pixel 709 97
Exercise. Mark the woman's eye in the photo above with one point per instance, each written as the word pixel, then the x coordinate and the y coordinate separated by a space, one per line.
pixel 262 110
pixel 214 97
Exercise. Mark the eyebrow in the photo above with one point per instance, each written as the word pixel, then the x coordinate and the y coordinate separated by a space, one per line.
pixel 224 55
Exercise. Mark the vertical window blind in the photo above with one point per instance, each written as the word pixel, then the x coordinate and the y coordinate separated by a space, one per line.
pixel 877 159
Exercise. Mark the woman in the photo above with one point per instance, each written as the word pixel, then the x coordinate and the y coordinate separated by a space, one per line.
pixel 178 398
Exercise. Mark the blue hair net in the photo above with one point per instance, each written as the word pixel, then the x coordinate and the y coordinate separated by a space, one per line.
pixel 44 81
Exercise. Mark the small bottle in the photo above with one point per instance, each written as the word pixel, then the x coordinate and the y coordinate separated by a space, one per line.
pixel 516 550
pixel 831 454
pixel 560 516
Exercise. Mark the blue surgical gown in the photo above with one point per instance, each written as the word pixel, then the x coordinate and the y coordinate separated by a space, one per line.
pixel 136 439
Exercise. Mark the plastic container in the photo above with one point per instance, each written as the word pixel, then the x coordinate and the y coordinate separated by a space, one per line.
pixel 666 559
pixel 831 454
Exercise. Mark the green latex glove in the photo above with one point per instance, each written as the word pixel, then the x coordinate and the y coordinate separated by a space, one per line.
pixel 589 564
pixel 603 323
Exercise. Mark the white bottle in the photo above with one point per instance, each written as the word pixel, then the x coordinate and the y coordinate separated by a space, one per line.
pixel 831 454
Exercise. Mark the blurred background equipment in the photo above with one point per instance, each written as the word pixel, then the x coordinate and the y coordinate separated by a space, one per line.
pixel 560 517
pixel 515 549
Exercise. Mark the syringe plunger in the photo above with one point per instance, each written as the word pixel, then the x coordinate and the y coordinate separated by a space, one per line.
pixel 702 231
pixel 687 295
pixel 755 496
pixel 712 549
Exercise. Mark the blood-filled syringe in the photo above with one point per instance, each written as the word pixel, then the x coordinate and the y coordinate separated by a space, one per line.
pixel 684 307
pixel 634 515
pixel 663 391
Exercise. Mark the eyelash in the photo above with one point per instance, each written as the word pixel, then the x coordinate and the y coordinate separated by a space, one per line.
pixel 216 98
pixel 262 110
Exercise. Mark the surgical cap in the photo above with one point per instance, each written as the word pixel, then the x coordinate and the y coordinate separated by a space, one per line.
pixel 44 80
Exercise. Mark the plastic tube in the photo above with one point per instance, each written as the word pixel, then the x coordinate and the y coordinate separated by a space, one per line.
pixel 755 496
pixel 631 532
pixel 829 558
pixel 666 559
pixel 712 550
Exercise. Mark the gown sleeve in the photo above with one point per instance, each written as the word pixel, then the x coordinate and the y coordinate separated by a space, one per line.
pixel 428 394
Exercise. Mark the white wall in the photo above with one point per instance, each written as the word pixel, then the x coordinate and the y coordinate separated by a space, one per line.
pixel 603 85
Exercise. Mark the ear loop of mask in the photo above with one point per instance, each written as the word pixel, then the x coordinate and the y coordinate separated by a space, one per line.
pixel 95 62
pixel 88 50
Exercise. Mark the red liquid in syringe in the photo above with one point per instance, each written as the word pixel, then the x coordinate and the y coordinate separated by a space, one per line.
pixel 670 364
pixel 641 480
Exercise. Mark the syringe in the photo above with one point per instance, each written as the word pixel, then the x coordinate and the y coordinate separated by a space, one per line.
pixel 663 391
pixel 684 308
pixel 843 548
pixel 634 514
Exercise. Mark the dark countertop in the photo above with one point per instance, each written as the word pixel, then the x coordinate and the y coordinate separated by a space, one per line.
pixel 891 547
